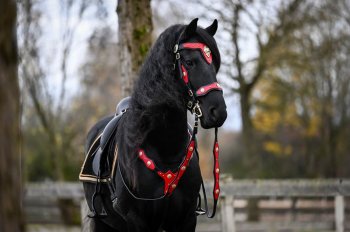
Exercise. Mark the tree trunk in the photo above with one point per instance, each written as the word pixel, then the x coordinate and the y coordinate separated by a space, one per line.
pixel 247 128
pixel 135 38
pixel 10 178
pixel 245 114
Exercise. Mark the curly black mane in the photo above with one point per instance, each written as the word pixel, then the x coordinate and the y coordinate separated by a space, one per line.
pixel 156 89
pixel 158 92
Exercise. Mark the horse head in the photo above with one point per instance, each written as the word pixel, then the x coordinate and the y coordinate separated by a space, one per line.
pixel 198 61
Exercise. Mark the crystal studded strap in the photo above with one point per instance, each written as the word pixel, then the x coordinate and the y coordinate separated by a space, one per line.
pixel 206 53
pixel 216 189
pixel 216 169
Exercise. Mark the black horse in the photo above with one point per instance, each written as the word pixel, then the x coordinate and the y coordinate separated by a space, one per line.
pixel 155 180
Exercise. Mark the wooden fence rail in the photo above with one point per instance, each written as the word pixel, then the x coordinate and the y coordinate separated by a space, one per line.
pixel 230 191
pixel 283 188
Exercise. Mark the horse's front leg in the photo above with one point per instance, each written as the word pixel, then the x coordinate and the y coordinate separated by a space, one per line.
pixel 136 224
pixel 190 224
pixel 186 224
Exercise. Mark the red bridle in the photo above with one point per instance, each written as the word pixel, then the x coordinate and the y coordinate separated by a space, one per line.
pixel 206 53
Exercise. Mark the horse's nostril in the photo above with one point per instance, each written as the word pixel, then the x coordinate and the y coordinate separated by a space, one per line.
pixel 213 113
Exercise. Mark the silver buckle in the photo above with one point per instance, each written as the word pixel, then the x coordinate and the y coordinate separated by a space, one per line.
pixel 176 47
pixel 189 104
pixel 197 110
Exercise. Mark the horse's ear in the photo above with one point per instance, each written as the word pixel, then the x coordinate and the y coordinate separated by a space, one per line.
pixel 190 29
pixel 212 28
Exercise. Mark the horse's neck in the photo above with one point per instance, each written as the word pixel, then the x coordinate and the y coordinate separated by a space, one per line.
pixel 170 136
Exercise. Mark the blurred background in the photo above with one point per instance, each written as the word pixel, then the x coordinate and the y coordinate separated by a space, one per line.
pixel 285 72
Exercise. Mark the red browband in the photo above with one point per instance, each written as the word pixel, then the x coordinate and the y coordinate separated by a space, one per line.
pixel 204 49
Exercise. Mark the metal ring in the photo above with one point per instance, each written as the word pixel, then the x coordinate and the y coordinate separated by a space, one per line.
pixel 189 104
pixel 197 110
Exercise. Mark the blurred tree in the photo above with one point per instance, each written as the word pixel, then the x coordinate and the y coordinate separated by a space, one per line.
pixel 100 83
pixel 303 110
pixel 49 135
pixel 10 169
pixel 269 26
pixel 135 38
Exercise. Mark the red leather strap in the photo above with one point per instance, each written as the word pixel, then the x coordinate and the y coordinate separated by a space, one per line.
pixel 204 49
pixel 206 89
pixel 216 171
pixel 148 162
pixel 184 74
pixel 170 179
pixel 183 166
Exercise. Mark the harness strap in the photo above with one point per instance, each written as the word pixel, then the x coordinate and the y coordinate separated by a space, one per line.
pixel 171 179
pixel 204 90
pixel 200 46
pixel 216 189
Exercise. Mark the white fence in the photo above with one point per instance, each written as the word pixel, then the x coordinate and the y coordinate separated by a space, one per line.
pixel 231 192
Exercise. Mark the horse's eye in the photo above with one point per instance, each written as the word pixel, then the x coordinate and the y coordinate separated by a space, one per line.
pixel 189 63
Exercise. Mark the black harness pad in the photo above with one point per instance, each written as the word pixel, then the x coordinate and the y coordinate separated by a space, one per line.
pixel 96 159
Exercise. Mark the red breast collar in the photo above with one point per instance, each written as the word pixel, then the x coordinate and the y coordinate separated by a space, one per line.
pixel 171 179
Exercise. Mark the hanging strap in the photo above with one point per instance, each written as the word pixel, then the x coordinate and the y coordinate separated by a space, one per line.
pixel 216 189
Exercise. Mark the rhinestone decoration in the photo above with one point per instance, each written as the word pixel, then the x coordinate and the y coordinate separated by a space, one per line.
pixel 207 51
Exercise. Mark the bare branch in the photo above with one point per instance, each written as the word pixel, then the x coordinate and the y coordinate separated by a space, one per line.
pixel 68 36
pixel 238 62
